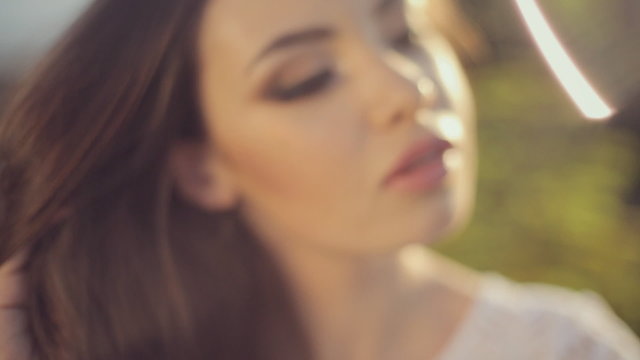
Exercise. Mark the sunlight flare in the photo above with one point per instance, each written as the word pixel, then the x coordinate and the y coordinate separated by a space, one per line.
pixel 581 92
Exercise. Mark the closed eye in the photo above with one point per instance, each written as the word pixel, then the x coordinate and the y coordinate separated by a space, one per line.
pixel 308 87
pixel 405 41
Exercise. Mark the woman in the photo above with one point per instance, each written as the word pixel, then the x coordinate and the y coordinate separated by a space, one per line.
pixel 226 179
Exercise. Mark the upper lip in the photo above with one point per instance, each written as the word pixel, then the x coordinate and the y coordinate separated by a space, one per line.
pixel 429 144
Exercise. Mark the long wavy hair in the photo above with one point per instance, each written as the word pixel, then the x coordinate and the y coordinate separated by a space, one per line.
pixel 120 266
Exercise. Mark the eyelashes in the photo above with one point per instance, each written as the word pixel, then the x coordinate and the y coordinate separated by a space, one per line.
pixel 308 87
pixel 406 41
pixel 318 82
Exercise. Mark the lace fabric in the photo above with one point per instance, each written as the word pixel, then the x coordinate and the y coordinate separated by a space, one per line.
pixel 513 321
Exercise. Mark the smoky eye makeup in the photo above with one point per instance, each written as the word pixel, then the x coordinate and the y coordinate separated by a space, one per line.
pixel 407 39
pixel 299 80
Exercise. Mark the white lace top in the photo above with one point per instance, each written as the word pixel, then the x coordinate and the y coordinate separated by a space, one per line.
pixel 511 321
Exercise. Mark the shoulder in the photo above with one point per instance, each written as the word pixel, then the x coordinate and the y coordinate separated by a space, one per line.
pixel 535 321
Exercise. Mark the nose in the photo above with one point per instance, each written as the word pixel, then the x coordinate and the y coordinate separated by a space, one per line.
pixel 400 90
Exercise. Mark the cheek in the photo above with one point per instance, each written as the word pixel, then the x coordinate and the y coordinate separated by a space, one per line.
pixel 296 153
pixel 300 172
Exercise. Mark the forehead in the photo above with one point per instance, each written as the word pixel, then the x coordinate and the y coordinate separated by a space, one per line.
pixel 245 24
pixel 260 15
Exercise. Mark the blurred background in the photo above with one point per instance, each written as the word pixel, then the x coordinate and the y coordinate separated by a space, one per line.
pixel 559 196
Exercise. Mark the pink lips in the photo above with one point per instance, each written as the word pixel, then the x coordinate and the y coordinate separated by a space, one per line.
pixel 421 167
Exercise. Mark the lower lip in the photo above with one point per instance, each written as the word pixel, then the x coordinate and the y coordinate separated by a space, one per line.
pixel 429 176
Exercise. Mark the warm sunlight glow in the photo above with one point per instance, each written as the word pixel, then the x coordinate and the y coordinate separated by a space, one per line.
pixel 453 159
pixel 413 259
pixel 418 2
pixel 564 68
pixel 445 124
pixel 451 127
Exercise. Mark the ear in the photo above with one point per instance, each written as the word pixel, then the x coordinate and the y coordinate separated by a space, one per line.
pixel 200 178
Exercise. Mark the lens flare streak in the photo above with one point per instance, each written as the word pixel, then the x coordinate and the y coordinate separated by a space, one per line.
pixel 564 68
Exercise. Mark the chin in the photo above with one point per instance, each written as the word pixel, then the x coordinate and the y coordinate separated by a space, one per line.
pixel 433 220
pixel 435 228
pixel 440 221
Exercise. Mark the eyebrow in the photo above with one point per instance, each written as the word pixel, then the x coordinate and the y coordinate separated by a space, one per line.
pixel 309 35
pixel 384 5
pixel 294 39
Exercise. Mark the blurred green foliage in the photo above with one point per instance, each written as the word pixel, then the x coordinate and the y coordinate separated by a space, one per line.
pixel 549 203
pixel 603 37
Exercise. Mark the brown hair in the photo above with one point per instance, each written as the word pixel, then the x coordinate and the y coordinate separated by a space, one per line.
pixel 465 36
pixel 121 267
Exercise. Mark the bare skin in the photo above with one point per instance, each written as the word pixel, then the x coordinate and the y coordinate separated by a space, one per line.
pixel 306 170
pixel 14 339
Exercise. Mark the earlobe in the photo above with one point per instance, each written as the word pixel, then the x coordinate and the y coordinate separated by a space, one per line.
pixel 200 179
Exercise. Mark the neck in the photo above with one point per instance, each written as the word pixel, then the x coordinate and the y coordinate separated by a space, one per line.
pixel 353 305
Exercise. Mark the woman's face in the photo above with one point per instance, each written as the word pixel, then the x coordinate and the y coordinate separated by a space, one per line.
pixel 309 105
